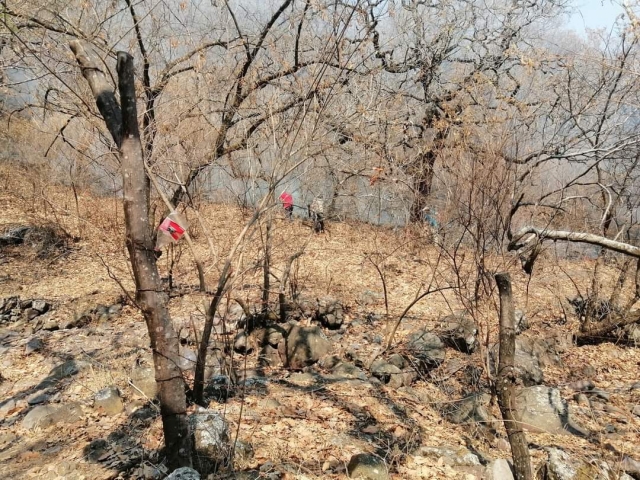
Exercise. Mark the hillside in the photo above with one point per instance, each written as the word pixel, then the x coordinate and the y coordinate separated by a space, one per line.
pixel 292 424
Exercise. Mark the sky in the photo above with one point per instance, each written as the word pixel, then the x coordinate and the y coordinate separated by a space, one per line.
pixel 594 14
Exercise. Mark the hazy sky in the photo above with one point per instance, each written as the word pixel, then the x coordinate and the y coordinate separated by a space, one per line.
pixel 594 14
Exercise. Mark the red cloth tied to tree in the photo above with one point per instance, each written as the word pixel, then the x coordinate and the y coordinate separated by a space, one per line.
pixel 286 199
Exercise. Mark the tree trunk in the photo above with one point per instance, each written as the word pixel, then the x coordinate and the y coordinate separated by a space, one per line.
pixel 423 186
pixel 505 383
pixel 123 124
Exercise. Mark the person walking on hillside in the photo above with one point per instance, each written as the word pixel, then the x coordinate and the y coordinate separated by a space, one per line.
pixel 316 212
pixel 287 204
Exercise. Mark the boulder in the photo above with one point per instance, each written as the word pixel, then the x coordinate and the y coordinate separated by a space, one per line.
pixel 522 323
pixel 561 466
pixel 38 397
pixel 241 343
pixel 44 416
pixel 426 348
pixel 188 358
pixel 543 409
pixel 305 346
pixel 388 374
pixel 459 456
pixel 330 313
pixel 460 332
pixel 41 306
pixel 211 440
pixel 33 345
pixel 499 469
pixel 184 473
pixel 108 401
pixel 144 380
pixel 347 370
pixel 470 409
pixel 366 466
pixel 526 362
pixel 8 304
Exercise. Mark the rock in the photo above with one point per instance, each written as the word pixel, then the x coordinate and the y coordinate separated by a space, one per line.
pixel 184 473
pixel 77 321
pixel 30 314
pixel 33 345
pixel 582 400
pixel 582 385
pixel 50 324
pixel 211 440
pixel 460 332
pixel 330 313
pixel 188 358
pixel 243 450
pixel 631 466
pixel 541 408
pixel 241 343
pixel 522 323
pixel 144 379
pixel 388 374
pixel 8 304
pixel 636 410
pixel 397 360
pixel 347 370
pixel 114 310
pixel 66 369
pixel 560 466
pixel 526 361
pixel 366 466
pixel 427 349
pixel 41 306
pixel 6 407
pixel 44 416
pixel 472 408
pixel 108 401
pixel 459 456
pixel 499 469
pixel 270 356
pixel 329 362
pixel 599 394
pixel 304 346
pixel 38 398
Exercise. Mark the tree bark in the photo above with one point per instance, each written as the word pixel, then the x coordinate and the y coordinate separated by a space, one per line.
pixel 576 237
pixel 122 122
pixel 505 383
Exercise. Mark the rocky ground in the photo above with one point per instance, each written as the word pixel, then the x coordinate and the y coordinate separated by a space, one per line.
pixel 313 397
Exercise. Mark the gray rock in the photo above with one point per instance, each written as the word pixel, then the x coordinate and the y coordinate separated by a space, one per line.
pixel 8 304
pixel 44 416
pixel 427 349
pixel 241 343
pixel 6 407
pixel 114 310
pixel 211 440
pixel 144 379
pixel 305 346
pixel 50 324
pixel 472 408
pixel 184 473
pixel 526 362
pixel 347 370
pixel 33 345
pixel 541 408
pixel 459 456
pixel 30 314
pixel 460 332
pixel 636 410
pixel 41 306
pixel 108 401
pixel 388 374
pixel 330 313
pixel 38 398
pixel 366 466
pixel 188 358
pixel 397 360
pixel 499 469
pixel 631 466
pixel 560 466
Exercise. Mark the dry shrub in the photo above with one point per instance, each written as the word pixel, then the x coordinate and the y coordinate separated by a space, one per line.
pixel 44 241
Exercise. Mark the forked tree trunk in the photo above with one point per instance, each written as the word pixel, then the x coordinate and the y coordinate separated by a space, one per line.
pixel 505 383
pixel 123 124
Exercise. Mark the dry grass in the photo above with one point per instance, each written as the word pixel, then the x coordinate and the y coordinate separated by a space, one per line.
pixel 317 428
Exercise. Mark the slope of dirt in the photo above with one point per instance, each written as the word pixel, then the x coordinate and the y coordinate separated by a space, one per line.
pixel 317 423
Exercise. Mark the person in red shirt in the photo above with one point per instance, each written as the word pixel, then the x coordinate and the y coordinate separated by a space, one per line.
pixel 287 204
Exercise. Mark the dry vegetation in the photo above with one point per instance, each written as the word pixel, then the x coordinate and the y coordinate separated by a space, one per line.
pixel 316 427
